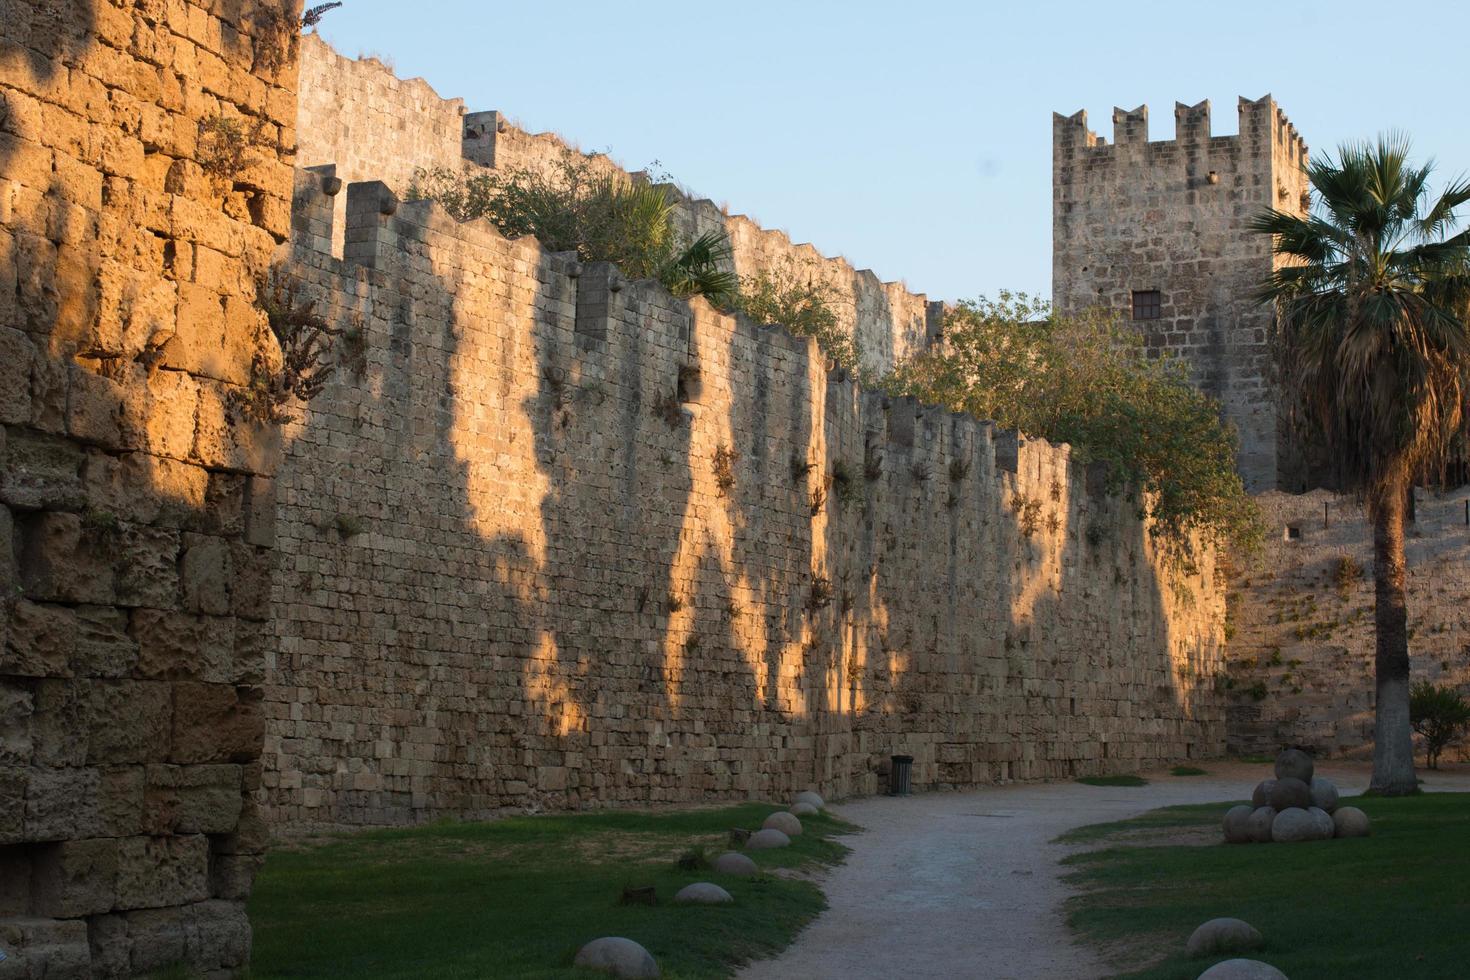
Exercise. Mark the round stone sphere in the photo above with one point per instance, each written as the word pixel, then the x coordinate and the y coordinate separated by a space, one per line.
pixel 621 957
pixel 1324 793
pixel 1349 821
pixel 1236 831
pixel 764 840
pixel 735 863
pixel 1295 764
pixel 1242 970
pixel 1262 795
pixel 1290 792
pixel 1294 826
pixel 804 810
pixel 703 893
pixel 787 823
pixel 1223 936
pixel 811 797
pixel 1258 827
pixel 1325 827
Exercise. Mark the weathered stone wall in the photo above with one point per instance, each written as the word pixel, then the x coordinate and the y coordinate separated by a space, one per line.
pixel 135 510
pixel 368 122
pixel 1171 216
pixel 373 126
pixel 555 539
pixel 1301 652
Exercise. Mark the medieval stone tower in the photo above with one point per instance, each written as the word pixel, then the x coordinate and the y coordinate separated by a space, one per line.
pixel 1157 232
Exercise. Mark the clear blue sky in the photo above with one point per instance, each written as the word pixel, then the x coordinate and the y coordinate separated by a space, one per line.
pixel 916 138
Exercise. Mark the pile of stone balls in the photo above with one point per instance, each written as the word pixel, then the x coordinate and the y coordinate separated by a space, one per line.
pixel 1293 807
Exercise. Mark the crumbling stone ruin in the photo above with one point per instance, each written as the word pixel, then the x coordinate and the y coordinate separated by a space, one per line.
pixel 1157 232
pixel 143 187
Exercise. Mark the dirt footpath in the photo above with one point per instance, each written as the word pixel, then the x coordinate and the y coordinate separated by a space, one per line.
pixel 966 885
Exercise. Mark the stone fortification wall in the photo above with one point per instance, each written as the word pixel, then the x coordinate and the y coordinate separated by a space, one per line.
pixel 1170 216
pixel 1301 653
pixel 135 507
pixel 555 539
pixel 358 116
pixel 371 124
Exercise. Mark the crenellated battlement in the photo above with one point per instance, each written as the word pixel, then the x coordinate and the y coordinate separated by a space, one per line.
pixel 1263 127
pixel 1130 125
pixel 1071 132
pixel 541 510
pixel 1158 231
pixel 371 125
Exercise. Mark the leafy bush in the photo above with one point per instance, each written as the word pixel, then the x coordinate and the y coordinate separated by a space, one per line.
pixel 227 147
pixel 1089 381
pixel 724 465
pixel 1346 573
pixel 603 218
pixel 305 338
pixel 791 296
pixel 1440 714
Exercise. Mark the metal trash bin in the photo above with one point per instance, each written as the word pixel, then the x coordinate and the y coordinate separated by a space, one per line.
pixel 900 776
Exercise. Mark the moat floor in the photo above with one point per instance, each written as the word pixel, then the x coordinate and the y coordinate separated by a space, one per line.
pixel 968 884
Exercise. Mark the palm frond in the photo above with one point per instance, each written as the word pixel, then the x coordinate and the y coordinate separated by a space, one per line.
pixel 1372 297
pixel 703 268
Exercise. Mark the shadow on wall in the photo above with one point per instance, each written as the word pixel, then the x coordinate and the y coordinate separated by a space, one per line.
pixel 569 541
pixel 133 555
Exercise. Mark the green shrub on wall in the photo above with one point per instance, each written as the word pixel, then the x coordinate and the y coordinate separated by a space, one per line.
pixel 630 223
pixel 601 218
pixel 791 295
pixel 1089 382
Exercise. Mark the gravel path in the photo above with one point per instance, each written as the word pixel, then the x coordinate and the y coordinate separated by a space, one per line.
pixel 967 884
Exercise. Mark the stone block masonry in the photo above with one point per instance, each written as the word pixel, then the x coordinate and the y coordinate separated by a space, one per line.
pixel 1169 218
pixel 554 539
pixel 134 564
pixel 357 116
pixel 1301 614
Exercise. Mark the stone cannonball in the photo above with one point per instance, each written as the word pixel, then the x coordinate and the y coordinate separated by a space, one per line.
pixel 703 893
pixel 764 840
pixel 1290 792
pixel 735 863
pixel 618 956
pixel 1242 970
pixel 1349 821
pixel 1325 826
pixel 1324 793
pixel 1259 824
pixel 804 810
pixel 1223 935
pixel 1236 831
pixel 1296 764
pixel 788 823
pixel 811 797
pixel 1294 826
pixel 1262 796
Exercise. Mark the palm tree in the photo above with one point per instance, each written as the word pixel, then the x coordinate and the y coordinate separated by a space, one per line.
pixel 1372 298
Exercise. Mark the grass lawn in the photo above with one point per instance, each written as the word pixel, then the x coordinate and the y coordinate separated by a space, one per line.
pixel 1188 771
pixel 1392 905
pixel 517 897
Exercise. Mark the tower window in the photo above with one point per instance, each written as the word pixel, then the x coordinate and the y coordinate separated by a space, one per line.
pixel 1147 304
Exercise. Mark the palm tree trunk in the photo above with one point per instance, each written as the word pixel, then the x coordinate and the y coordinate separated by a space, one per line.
pixel 1393 743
